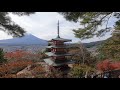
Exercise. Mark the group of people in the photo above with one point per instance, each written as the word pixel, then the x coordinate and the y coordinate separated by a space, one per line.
pixel 104 75
pixel 100 75
pixel 108 74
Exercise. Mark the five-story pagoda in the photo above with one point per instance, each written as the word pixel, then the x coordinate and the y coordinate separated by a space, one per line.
pixel 57 52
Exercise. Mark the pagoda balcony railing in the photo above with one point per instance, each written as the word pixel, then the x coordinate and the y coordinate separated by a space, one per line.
pixel 63 52
pixel 56 44
pixel 59 60
pixel 62 45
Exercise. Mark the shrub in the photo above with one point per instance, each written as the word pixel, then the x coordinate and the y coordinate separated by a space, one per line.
pixel 108 65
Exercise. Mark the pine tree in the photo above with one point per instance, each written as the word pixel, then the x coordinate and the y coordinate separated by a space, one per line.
pixel 2 59
pixel 111 48
pixel 11 27
pixel 92 23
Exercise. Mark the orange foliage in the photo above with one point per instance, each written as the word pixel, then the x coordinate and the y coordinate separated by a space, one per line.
pixel 17 61
pixel 107 65
pixel 15 54
pixel 9 76
pixel 13 67
pixel 115 65
pixel 22 55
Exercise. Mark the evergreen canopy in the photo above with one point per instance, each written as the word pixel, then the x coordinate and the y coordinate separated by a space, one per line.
pixel 10 27
pixel 91 22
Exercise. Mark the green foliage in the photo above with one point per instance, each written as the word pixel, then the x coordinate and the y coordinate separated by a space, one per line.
pixel 101 56
pixel 9 26
pixel 80 71
pixel 111 48
pixel 2 59
pixel 91 21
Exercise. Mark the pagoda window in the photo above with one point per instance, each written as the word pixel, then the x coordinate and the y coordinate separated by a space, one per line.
pixel 54 50
pixel 51 49
pixel 60 50
pixel 55 42
pixel 53 57
pixel 58 42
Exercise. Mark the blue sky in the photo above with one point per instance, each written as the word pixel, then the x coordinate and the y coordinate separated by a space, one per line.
pixel 44 25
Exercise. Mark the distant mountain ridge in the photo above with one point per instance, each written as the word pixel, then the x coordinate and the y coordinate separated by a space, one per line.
pixel 88 45
pixel 91 44
pixel 28 39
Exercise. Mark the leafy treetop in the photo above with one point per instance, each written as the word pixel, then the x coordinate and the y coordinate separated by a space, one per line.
pixel 91 22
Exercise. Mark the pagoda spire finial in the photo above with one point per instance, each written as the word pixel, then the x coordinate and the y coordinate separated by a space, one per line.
pixel 58 30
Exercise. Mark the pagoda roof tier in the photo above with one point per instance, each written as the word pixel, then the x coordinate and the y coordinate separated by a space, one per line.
pixel 53 54
pixel 62 46
pixel 60 39
pixel 51 62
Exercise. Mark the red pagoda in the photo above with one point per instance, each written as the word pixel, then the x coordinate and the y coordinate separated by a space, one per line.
pixel 57 52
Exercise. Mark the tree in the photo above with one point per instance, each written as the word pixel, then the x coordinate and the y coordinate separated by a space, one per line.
pixel 20 55
pixel 91 22
pixel 81 55
pixel 111 48
pixel 2 59
pixel 81 71
pixel 108 65
pixel 9 26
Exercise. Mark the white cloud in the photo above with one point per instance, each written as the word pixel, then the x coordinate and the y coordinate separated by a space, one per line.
pixel 44 26
pixel 4 35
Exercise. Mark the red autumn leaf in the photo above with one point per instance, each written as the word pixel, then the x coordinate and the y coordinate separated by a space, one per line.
pixel 107 65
